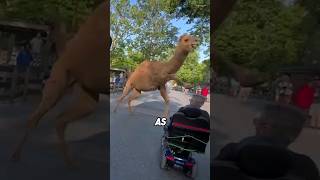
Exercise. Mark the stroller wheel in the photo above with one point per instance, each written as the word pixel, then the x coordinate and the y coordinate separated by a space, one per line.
pixel 163 158
pixel 193 172
pixel 163 162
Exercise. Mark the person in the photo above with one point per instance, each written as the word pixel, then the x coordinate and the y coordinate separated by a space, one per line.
pixel 234 87
pixel 121 75
pixel 198 89
pixel 244 93
pixel 304 97
pixel 121 79
pixel 284 89
pixel 183 89
pixel 196 102
pixel 205 91
pixel 317 86
pixel 24 59
pixel 36 44
pixel 266 154
pixel 117 82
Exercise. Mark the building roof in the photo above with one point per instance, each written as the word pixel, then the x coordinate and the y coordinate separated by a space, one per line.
pixel 301 70
pixel 117 69
pixel 23 25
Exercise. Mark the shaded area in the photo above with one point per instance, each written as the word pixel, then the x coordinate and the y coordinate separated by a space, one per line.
pixel 234 122
pixel 88 140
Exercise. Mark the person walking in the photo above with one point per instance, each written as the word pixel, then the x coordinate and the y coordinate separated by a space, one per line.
pixel 284 90
pixel 205 91
pixel 304 97
pixel 36 45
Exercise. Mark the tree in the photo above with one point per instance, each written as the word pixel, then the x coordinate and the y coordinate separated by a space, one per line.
pixel 64 16
pixel 154 32
pixel 121 26
pixel 140 30
pixel 70 12
pixel 311 26
pixel 192 71
pixel 197 12
pixel 262 35
pixel 143 31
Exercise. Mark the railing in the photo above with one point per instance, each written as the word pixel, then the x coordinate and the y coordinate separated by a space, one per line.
pixel 114 88
pixel 11 82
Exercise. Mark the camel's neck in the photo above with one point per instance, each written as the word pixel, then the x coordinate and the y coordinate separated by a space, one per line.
pixel 174 64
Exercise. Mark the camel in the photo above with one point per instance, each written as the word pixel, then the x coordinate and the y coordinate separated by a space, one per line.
pixel 83 63
pixel 246 77
pixel 153 75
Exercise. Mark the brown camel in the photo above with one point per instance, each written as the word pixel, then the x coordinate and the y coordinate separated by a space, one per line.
pixel 153 75
pixel 83 63
pixel 246 77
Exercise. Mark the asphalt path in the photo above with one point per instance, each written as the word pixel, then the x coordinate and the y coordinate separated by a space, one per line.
pixel 41 159
pixel 135 141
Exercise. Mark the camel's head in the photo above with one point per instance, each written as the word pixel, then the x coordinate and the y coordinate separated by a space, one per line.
pixel 187 42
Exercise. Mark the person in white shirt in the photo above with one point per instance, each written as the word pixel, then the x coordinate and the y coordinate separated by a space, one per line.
pixel 36 44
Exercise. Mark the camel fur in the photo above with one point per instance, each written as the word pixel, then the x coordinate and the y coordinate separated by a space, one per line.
pixel 153 75
pixel 84 63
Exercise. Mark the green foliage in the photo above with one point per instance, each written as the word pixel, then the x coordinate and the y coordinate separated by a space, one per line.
pixel 313 7
pixel 192 71
pixel 141 28
pixel 71 12
pixel 311 26
pixel 143 31
pixel 262 34
pixel 155 32
pixel 140 31
pixel 197 12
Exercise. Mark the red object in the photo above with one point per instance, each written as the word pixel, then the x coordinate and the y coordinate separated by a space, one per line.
pixel 304 97
pixel 205 92
pixel 189 164
pixel 170 158
pixel 180 125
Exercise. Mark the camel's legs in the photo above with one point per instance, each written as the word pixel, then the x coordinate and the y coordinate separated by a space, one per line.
pixel 52 92
pixel 125 92
pixel 172 77
pixel 134 94
pixel 164 94
pixel 84 105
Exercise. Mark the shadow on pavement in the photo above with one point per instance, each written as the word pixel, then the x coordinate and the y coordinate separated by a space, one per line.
pixel 44 161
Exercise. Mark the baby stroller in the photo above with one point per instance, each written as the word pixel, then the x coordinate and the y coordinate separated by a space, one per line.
pixel 188 132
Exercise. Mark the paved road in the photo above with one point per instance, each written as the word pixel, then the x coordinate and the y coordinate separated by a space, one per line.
pixel 40 159
pixel 135 141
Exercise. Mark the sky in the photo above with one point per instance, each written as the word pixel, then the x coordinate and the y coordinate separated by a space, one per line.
pixel 183 28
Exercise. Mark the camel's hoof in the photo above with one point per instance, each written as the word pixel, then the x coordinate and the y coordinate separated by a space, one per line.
pixel 15 157
pixel 165 115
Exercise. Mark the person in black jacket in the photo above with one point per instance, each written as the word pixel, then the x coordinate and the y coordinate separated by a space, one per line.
pixel 196 102
pixel 266 154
